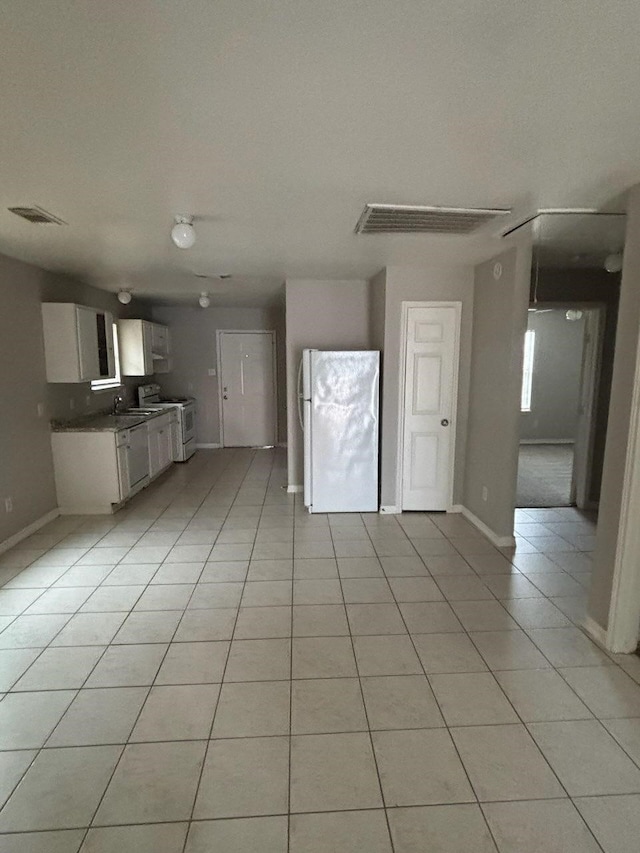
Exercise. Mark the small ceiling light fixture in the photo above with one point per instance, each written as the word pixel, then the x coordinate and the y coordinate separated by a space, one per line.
pixel 573 314
pixel 613 262
pixel 204 300
pixel 124 296
pixel 183 233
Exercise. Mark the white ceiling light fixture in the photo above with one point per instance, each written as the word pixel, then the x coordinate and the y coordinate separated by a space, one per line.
pixel 204 300
pixel 183 233
pixel 573 314
pixel 613 262
pixel 124 296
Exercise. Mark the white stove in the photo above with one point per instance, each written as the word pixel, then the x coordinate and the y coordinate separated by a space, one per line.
pixel 149 397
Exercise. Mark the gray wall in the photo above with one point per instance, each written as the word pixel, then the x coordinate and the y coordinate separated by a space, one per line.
pixel 319 315
pixel 557 369
pixel 424 284
pixel 499 324
pixel 193 344
pixel 26 467
pixel 619 418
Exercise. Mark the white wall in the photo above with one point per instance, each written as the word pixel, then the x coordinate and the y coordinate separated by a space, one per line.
pixel 409 284
pixel 556 377
pixel 499 324
pixel 330 315
pixel 193 345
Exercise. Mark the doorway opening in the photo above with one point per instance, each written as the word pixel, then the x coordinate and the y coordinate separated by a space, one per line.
pixel 247 388
pixel 560 382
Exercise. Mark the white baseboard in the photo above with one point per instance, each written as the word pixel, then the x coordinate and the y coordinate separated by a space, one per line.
pixel 90 509
pixel 595 631
pixel 208 446
pixel 295 490
pixel 455 508
pixel 492 536
pixel 390 510
pixel 547 441
pixel 281 444
pixel 29 530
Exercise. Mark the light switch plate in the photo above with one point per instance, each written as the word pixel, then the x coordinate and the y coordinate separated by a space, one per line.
pixel 212 371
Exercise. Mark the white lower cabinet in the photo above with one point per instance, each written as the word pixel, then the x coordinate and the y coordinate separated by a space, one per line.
pixel 96 472
pixel 160 445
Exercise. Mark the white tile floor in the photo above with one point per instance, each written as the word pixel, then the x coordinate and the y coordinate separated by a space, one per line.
pixel 214 669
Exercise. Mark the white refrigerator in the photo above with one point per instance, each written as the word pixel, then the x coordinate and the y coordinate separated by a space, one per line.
pixel 338 397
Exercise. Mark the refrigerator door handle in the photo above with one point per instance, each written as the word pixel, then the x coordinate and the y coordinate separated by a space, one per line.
pixel 300 396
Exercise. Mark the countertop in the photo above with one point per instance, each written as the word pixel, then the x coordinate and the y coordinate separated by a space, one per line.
pixel 104 422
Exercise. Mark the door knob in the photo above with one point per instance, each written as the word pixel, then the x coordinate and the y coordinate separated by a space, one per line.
pixel 444 422
pixel 224 397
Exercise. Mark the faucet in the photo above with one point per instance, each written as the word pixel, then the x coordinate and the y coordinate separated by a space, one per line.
pixel 117 401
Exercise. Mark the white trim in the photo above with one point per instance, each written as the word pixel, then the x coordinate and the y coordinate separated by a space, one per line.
pixel 274 350
pixel 96 509
pixel 295 490
pixel 208 446
pixel 624 606
pixel 390 510
pixel 498 541
pixel 455 508
pixel 29 530
pixel 547 441
pixel 595 631
pixel 401 390
pixel 281 444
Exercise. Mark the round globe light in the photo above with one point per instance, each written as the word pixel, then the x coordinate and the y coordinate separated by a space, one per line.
pixel 613 262
pixel 124 296
pixel 204 300
pixel 183 233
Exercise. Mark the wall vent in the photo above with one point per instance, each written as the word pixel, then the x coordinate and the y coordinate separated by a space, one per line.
pixel 409 219
pixel 37 215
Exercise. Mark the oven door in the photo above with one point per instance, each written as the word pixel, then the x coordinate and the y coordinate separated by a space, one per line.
pixel 188 417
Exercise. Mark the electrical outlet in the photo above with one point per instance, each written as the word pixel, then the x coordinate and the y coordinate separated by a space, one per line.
pixel 40 410
pixel 211 371
pixel 72 403
pixel 87 400
pixel 485 493
pixel 8 504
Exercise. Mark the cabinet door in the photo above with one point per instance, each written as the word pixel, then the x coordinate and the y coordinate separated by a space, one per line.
pixel 106 356
pixel 154 452
pixel 147 348
pixel 176 438
pixel 87 343
pixel 164 446
pixel 123 471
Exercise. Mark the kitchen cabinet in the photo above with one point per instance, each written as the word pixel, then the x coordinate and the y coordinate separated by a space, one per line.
pixel 94 471
pixel 144 348
pixel 176 437
pixel 78 342
pixel 160 445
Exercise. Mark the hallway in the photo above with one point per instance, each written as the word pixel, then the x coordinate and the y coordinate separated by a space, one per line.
pixel 214 669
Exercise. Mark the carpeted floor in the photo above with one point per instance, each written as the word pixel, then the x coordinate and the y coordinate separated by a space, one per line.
pixel 544 475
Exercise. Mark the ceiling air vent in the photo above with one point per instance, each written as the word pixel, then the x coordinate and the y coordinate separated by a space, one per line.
pixel 409 219
pixel 37 215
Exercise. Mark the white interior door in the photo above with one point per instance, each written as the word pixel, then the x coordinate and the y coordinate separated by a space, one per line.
pixel 430 389
pixel 247 381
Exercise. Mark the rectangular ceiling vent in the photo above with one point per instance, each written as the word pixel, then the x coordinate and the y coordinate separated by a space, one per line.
pixel 410 219
pixel 37 215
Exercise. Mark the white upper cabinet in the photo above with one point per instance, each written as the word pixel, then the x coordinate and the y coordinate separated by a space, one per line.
pixel 78 342
pixel 144 348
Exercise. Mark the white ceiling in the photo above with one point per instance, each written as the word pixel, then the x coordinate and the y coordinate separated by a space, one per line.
pixel 276 122
pixel 577 240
